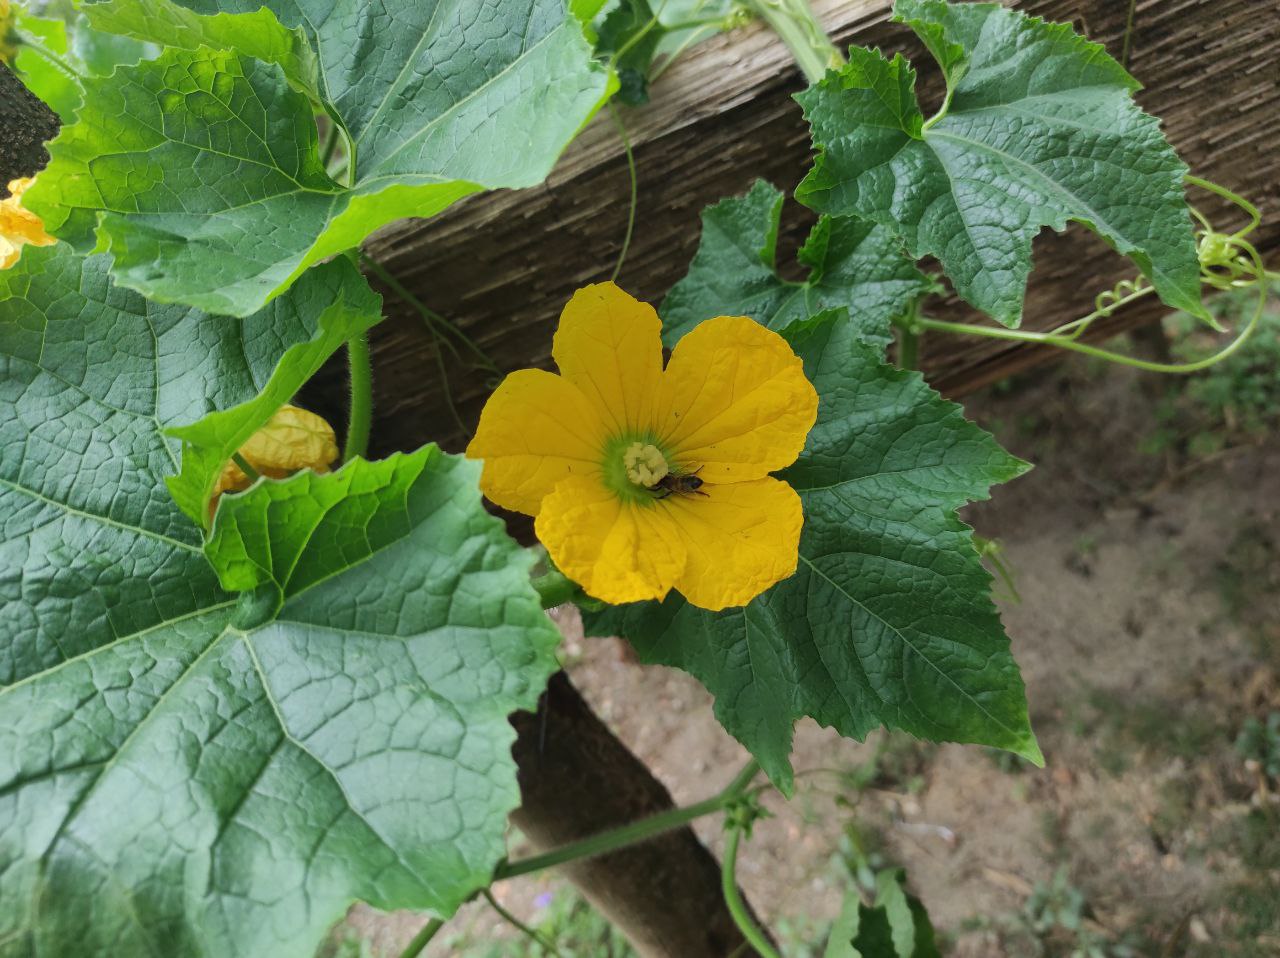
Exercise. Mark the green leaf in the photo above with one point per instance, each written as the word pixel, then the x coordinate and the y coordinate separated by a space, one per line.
pixel 896 926
pixel 185 770
pixel 1040 129
pixel 888 618
pixel 632 30
pixel 48 80
pixel 323 310
pixel 909 923
pixel 852 263
pixel 64 31
pixel 201 173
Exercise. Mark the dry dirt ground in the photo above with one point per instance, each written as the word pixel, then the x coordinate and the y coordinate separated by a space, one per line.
pixel 1148 632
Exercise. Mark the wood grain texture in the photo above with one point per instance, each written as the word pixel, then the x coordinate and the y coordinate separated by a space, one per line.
pixel 501 265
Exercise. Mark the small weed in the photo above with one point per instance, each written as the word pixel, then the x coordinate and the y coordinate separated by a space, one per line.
pixel 1055 922
pixel 898 763
pixel 1260 742
pixel 1180 730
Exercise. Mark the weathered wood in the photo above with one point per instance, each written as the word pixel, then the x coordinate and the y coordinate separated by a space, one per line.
pixel 26 124
pixel 502 265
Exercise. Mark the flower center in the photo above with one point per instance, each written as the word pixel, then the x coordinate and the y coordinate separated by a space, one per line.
pixel 644 463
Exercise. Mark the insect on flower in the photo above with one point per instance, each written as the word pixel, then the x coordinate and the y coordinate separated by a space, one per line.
pixel 645 479
pixel 686 484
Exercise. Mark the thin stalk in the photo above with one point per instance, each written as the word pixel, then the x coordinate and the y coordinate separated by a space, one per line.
pixel 799 29
pixel 635 192
pixel 433 320
pixel 1255 218
pixel 909 336
pixel 330 143
pixel 908 348
pixel 737 907
pixel 422 938
pixel 245 467
pixel 351 159
pixel 360 418
pixel 1128 34
pixel 629 834
pixel 1047 339
pixel 520 926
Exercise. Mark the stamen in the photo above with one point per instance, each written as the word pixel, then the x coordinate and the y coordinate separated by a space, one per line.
pixel 644 463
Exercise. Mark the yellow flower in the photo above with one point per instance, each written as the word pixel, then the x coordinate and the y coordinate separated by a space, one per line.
pixel 594 453
pixel 19 226
pixel 292 439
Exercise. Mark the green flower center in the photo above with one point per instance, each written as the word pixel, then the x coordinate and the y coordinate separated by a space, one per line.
pixel 632 464
pixel 645 464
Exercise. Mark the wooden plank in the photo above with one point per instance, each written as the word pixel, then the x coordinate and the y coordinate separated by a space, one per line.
pixel 501 265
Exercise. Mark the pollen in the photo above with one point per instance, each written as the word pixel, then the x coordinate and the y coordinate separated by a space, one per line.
pixel 644 463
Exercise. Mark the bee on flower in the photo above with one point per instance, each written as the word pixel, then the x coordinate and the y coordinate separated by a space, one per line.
pixel 644 479
pixel 18 226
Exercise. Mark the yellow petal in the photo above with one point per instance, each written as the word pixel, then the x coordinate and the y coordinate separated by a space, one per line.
pixel 617 550
pixel 741 539
pixel 292 439
pixel 735 401
pixel 18 226
pixel 609 345
pixel 536 429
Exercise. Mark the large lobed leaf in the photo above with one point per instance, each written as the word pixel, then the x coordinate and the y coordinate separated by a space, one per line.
pixel 852 263
pixel 1040 128
pixel 888 620
pixel 203 767
pixel 201 171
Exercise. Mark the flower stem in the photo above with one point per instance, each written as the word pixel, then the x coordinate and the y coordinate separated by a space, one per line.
pixel 630 834
pixel 794 23
pixel 737 907
pixel 252 474
pixel 361 415
pixel 421 939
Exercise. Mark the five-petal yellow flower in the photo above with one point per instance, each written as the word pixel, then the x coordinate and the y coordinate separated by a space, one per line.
pixel 19 226
pixel 587 453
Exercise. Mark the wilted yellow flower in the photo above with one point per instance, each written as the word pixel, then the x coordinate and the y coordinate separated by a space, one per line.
pixel 18 226
pixel 644 479
pixel 292 439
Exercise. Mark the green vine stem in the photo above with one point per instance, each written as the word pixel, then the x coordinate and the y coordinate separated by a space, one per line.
pixel 794 23
pixel 361 415
pixel 737 907
pixel 436 323
pixel 635 190
pixel 630 834
pixel 422 938
pixel 909 330
pixel 252 474
pixel 530 933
